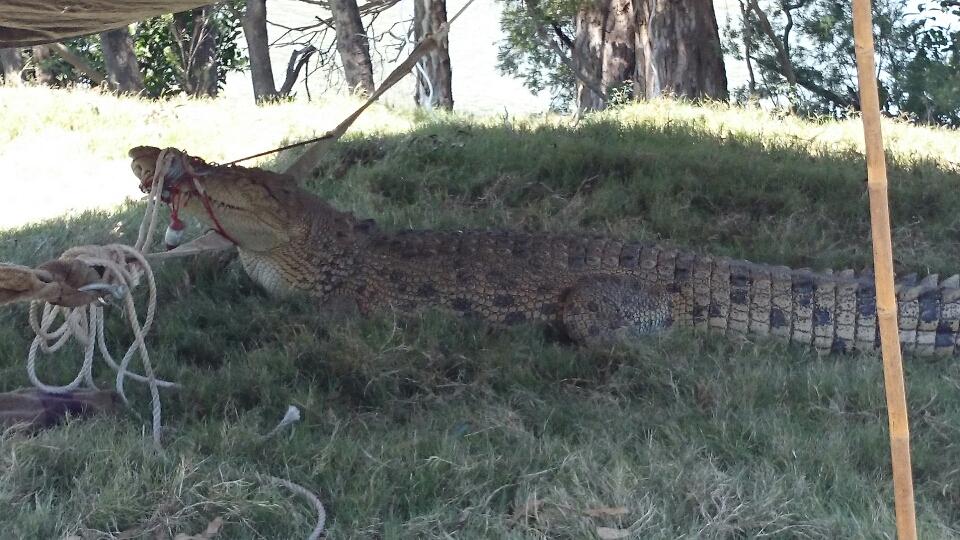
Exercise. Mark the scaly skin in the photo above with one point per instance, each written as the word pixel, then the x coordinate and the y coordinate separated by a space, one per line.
pixel 598 290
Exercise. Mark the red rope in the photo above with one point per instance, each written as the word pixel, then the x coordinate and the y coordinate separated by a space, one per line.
pixel 176 202
pixel 206 204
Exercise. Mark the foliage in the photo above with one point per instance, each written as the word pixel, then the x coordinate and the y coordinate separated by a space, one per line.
pixel 62 73
pixel 524 54
pixel 918 58
pixel 431 427
pixel 156 51
pixel 928 87
pixel 155 43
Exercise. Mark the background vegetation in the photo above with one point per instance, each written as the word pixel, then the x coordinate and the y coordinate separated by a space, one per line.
pixel 158 53
pixel 805 59
pixel 799 55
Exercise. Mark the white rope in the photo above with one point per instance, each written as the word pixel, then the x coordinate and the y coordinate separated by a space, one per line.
pixel 306 494
pixel 426 78
pixel 291 417
pixel 123 268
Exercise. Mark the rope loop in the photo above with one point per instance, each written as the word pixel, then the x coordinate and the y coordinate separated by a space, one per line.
pixel 123 268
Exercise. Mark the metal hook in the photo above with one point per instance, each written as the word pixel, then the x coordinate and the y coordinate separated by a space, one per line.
pixel 115 291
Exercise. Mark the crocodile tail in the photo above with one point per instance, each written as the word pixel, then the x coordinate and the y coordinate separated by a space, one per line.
pixel 833 312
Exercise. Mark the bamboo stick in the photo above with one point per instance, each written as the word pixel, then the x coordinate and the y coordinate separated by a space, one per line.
pixel 883 264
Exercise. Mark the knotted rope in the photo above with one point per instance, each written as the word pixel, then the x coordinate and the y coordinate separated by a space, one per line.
pixel 123 268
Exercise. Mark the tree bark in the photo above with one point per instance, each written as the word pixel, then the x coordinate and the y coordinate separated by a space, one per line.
pixel 678 50
pixel 619 50
pixel 254 21
pixel 604 48
pixel 434 76
pixel 12 63
pixel 196 34
pixel 352 45
pixel 660 47
pixel 123 72
pixel 588 54
pixel 39 55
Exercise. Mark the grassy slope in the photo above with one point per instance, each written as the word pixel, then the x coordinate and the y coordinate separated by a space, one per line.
pixel 429 426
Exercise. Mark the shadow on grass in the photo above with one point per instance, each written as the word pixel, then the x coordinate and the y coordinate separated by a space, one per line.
pixel 425 425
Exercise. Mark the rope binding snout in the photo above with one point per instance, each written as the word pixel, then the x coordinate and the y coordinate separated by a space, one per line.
pixel 180 176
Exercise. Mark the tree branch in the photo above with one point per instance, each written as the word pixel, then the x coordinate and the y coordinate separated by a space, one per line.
pixel 372 7
pixel 294 66
pixel 786 65
pixel 788 8
pixel 806 82
pixel 79 63
pixel 561 35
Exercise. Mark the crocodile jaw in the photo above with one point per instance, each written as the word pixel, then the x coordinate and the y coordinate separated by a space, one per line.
pixel 245 210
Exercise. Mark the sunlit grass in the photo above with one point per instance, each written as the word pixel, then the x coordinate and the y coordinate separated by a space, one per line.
pixel 66 151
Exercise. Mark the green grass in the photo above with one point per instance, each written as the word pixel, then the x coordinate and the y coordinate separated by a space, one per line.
pixel 430 427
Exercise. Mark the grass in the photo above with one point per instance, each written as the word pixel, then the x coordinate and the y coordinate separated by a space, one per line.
pixel 427 426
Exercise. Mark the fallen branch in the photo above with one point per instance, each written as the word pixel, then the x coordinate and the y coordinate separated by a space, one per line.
pixel 35 409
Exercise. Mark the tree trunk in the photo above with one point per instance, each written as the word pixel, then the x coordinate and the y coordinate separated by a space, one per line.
pixel 678 50
pixel 604 49
pixel 588 53
pixel 434 77
pixel 12 63
pixel 660 47
pixel 254 22
pixel 205 68
pixel 40 54
pixel 123 72
pixel 747 49
pixel 196 34
pixel 352 45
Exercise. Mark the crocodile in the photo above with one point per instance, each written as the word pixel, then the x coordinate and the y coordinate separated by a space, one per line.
pixel 596 290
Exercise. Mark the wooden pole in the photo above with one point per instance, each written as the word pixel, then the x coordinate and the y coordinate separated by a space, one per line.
pixel 883 264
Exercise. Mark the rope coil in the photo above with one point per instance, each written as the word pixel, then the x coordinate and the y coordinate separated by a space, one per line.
pixel 123 269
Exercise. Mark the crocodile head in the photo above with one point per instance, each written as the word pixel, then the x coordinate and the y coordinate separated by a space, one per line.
pixel 257 210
